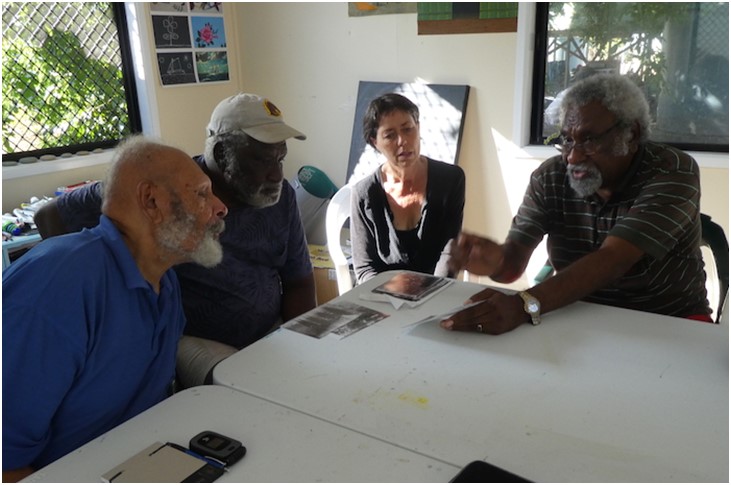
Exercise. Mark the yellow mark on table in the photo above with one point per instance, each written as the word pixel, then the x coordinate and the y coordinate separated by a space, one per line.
pixel 383 399
pixel 418 401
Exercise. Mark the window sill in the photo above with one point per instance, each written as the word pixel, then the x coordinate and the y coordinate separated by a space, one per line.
pixel 57 165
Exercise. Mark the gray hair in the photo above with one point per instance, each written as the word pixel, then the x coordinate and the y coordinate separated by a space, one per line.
pixel 617 93
pixel 231 143
pixel 136 151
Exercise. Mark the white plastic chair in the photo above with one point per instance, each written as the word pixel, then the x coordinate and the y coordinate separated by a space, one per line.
pixel 338 211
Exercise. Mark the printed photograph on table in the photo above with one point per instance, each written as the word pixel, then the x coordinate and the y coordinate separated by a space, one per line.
pixel 338 318
pixel 190 42
pixel 408 285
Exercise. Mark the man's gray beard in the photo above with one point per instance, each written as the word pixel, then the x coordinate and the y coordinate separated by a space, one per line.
pixel 256 197
pixel 209 252
pixel 172 233
pixel 245 192
pixel 260 200
pixel 589 184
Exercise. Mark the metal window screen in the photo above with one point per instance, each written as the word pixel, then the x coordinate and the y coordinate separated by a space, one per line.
pixel 63 85
pixel 676 52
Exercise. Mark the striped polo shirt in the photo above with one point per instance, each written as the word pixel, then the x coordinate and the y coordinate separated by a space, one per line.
pixel 656 208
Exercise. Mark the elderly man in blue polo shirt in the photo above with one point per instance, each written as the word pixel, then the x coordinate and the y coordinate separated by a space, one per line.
pixel 91 320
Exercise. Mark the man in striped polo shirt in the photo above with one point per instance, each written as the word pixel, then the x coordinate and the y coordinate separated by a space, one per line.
pixel 622 215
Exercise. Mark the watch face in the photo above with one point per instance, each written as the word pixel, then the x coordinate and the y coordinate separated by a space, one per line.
pixel 533 307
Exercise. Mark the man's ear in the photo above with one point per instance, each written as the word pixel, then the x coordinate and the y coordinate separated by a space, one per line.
pixel 635 140
pixel 218 153
pixel 147 197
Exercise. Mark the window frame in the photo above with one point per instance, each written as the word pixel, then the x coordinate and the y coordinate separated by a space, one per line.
pixel 130 88
pixel 523 95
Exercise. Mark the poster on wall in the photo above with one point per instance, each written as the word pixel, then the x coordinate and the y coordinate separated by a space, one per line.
pixel 362 9
pixel 466 17
pixel 190 42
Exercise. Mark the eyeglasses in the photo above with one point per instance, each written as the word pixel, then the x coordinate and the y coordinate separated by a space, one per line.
pixel 589 146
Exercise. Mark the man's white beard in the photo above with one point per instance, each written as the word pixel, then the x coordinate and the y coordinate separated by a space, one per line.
pixel 589 184
pixel 172 234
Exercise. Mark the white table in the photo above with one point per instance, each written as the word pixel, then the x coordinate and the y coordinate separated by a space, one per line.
pixel 282 445
pixel 18 242
pixel 594 393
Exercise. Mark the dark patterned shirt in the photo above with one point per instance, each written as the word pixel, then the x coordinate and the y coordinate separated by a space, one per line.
pixel 81 208
pixel 656 208
pixel 239 301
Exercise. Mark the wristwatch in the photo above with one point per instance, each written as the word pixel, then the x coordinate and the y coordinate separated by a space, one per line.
pixel 531 306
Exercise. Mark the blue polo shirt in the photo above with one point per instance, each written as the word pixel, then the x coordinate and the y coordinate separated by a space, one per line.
pixel 87 343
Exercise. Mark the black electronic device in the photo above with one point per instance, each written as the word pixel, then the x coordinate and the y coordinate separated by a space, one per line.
pixel 217 446
pixel 483 472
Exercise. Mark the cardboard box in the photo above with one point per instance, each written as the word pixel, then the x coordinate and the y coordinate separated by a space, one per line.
pixel 326 282
pixel 326 285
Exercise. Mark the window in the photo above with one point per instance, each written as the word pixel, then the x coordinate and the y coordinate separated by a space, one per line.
pixel 677 53
pixel 68 83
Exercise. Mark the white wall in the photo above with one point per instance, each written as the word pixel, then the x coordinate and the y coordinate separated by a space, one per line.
pixel 309 57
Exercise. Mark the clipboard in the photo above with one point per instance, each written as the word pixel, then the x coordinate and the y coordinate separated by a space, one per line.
pixel 163 463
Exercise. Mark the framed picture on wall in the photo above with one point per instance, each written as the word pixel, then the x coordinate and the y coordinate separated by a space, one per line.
pixel 190 42
pixel 466 17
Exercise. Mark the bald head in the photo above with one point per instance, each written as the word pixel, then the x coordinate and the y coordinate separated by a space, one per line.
pixel 137 159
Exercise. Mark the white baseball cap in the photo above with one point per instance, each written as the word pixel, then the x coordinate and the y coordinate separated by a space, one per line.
pixel 256 116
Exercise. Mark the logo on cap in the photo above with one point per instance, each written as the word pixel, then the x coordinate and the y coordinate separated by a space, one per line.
pixel 271 109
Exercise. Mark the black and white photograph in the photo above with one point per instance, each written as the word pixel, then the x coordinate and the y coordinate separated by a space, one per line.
pixel 340 318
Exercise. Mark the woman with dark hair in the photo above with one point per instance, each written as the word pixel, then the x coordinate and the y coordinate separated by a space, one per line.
pixel 405 214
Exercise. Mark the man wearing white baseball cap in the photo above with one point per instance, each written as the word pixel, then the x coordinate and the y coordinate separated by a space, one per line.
pixel 266 276
pixel 256 116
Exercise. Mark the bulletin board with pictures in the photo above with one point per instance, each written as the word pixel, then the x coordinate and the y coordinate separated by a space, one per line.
pixel 190 42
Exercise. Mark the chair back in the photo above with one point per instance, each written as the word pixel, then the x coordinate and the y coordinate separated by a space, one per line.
pixel 338 212
pixel 714 238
